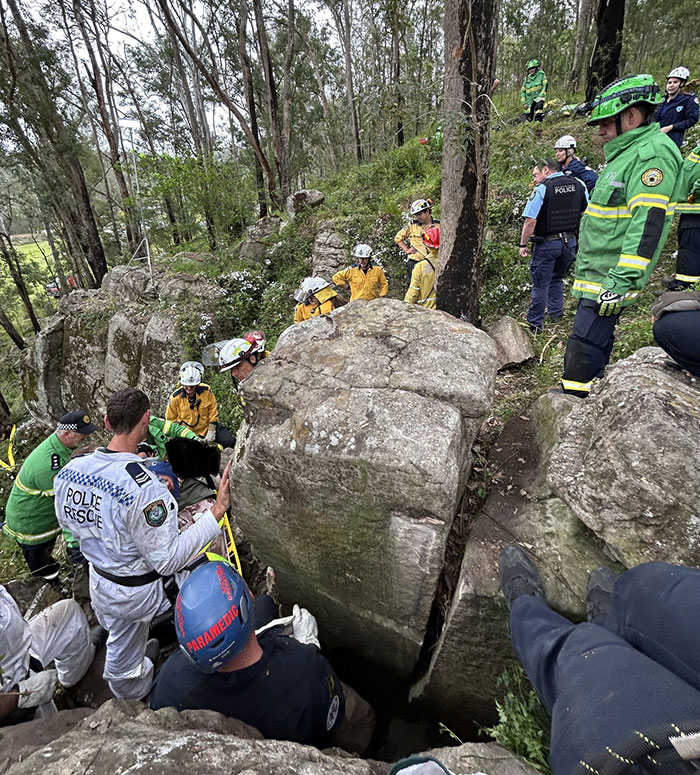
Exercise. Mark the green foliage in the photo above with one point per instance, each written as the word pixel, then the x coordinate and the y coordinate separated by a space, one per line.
pixel 523 724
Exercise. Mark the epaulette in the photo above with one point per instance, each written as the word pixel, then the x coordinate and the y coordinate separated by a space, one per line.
pixel 203 387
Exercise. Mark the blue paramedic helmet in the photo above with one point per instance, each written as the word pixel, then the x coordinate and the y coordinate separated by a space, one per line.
pixel 213 615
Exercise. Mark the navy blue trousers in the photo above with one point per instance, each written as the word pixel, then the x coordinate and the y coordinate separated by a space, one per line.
pixel 588 349
pixel 688 261
pixel 678 333
pixel 551 260
pixel 600 684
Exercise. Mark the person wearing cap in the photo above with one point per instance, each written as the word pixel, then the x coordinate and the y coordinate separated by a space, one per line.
pixel 422 287
pixel 125 519
pixel 533 92
pixel 569 164
pixel 410 238
pixel 30 517
pixel 625 225
pixel 366 279
pixel 551 218
pixel 235 658
pixel 193 404
pixel 678 111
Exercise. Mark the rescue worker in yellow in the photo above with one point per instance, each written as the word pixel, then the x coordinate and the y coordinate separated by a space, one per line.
pixel 366 279
pixel 302 311
pixel 410 238
pixel 625 225
pixel 194 405
pixel 422 288
pixel 315 297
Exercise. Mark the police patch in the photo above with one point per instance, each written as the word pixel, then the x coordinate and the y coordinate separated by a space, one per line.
pixel 652 177
pixel 155 513
pixel 55 462
pixel 332 716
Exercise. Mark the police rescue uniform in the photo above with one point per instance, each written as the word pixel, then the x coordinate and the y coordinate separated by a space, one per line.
pixel 196 411
pixel 363 284
pixel 583 172
pixel 688 261
pixel 622 233
pixel 29 513
pixel 125 520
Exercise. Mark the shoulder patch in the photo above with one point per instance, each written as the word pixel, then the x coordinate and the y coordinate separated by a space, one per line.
pixel 155 513
pixel 332 713
pixel 652 177
pixel 532 195
pixel 55 462
pixel 138 473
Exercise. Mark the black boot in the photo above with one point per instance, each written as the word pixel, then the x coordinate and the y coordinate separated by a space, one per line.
pixel 518 575
pixel 598 594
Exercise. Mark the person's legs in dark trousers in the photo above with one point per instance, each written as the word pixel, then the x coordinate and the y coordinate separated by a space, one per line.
pixel 555 297
pixel 677 334
pixel 410 263
pixel 688 260
pixel 536 111
pixel 655 607
pixel 544 257
pixel 40 560
pixel 598 688
pixel 224 437
pixel 588 349
pixel 265 610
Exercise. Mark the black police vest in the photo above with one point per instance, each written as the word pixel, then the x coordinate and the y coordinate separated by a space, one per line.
pixel 561 208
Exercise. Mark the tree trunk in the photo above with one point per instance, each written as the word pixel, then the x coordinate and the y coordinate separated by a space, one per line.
pixel 470 32
pixel 605 62
pixel 341 16
pixel 583 26
pixel 5 420
pixel 12 332
pixel 325 106
pixel 396 72
pixel 11 259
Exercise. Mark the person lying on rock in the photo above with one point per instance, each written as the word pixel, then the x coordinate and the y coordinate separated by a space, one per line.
pixel 234 658
pixel 60 635
pixel 623 688
pixel 125 520
pixel 29 513
pixel 193 405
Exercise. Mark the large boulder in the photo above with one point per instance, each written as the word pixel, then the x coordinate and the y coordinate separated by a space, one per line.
pixel 124 737
pixel 162 353
pixel 351 463
pixel 628 460
pixel 129 283
pixel 329 255
pixel 125 337
pixel 473 648
pixel 251 250
pixel 266 227
pixel 307 197
pixel 42 364
pixel 512 343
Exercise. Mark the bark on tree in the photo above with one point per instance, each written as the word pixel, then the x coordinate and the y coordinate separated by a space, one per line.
pixel 470 32
pixel 605 61
pixel 583 26
pixel 5 420
pixel 11 259
pixel 341 16
pixel 11 331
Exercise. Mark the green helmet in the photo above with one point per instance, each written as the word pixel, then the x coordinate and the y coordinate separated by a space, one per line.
pixel 532 63
pixel 622 94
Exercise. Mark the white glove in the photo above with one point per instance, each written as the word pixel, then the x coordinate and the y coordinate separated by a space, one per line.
pixel 304 626
pixel 37 689
pixel 211 433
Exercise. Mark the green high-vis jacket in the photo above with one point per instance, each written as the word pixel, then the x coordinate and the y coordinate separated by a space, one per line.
pixel 689 184
pixel 159 431
pixel 627 220
pixel 534 88
pixel 29 514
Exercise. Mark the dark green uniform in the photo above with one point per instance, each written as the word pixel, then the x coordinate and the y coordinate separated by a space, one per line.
pixel 29 514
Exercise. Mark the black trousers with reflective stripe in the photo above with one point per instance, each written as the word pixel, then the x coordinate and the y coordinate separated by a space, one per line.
pixel 678 333
pixel 688 261
pixel 589 346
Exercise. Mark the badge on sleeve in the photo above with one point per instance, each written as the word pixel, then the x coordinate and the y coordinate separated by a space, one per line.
pixel 155 513
pixel 55 462
pixel 332 716
pixel 652 177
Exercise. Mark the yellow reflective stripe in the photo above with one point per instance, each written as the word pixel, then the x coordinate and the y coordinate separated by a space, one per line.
pixel 166 426
pixel 688 278
pixel 570 384
pixel 694 157
pixel 29 491
pixel 649 200
pixel 581 285
pixel 28 538
pixel 415 287
pixel 634 262
pixel 429 298
pixel 600 211
pixel 688 207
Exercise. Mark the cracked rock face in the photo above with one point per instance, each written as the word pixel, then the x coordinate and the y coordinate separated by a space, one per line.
pixel 351 462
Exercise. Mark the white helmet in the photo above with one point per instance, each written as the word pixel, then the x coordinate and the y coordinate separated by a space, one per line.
pixel 313 285
pixel 191 373
pixel 362 251
pixel 679 72
pixel 233 352
pixel 419 205
pixel 565 141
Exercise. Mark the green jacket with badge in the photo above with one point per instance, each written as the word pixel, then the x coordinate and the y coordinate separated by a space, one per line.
pixel 534 88
pixel 689 184
pixel 629 214
pixel 29 514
